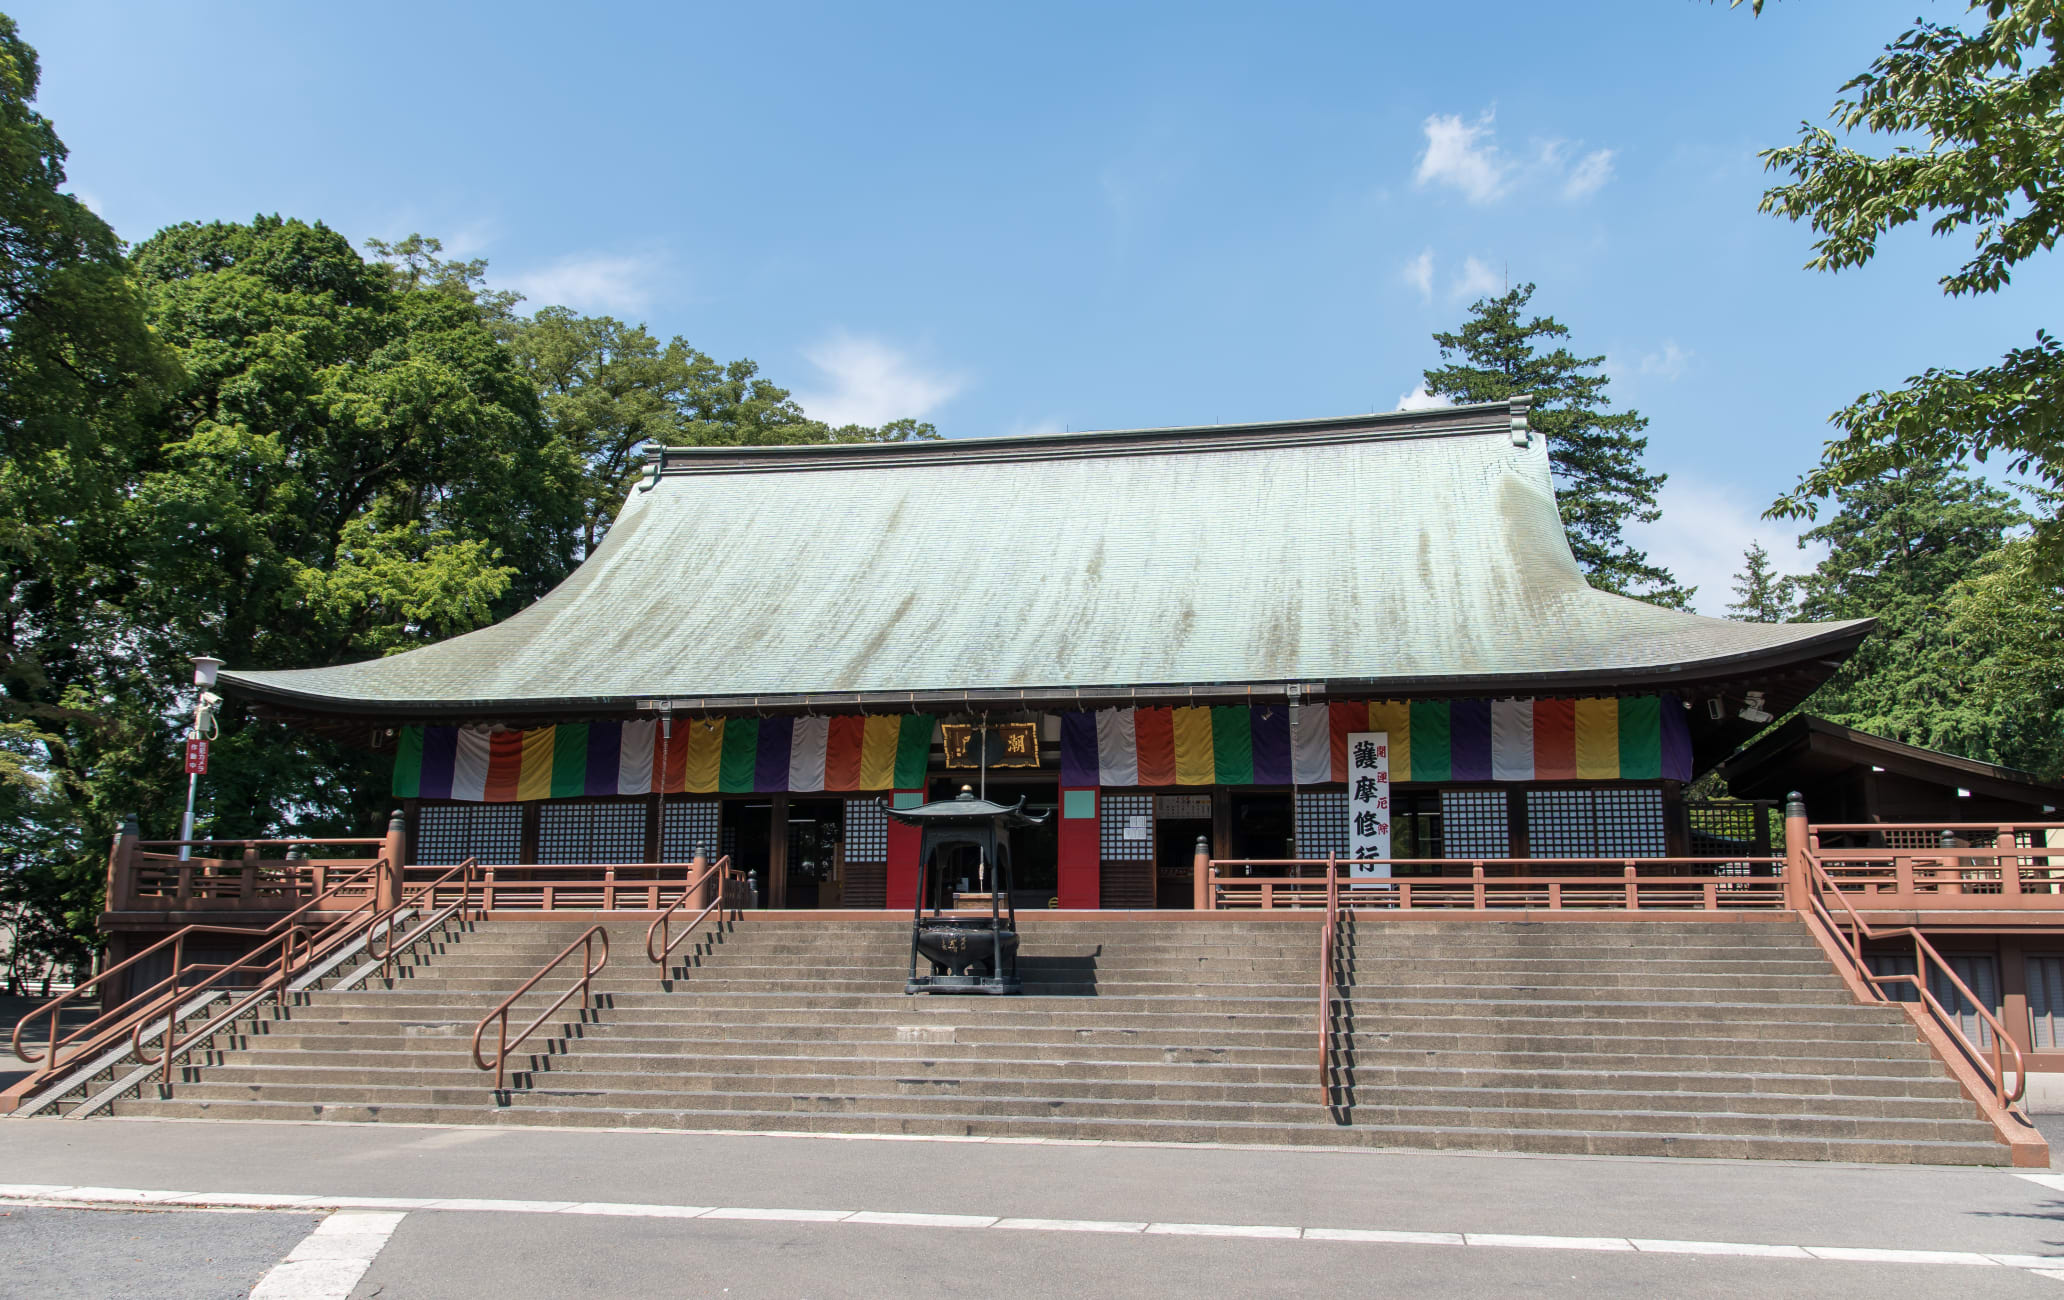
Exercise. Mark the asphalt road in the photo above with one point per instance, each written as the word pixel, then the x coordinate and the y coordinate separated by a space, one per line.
pixel 557 1249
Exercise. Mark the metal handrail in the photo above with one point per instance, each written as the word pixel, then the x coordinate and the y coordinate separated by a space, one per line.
pixel 1924 953
pixel 424 896
pixel 589 968
pixel 97 1029
pixel 720 870
pixel 1326 951
pixel 284 970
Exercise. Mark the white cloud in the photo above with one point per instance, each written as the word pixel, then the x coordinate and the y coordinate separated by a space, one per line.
pixel 1421 400
pixel 1589 175
pixel 604 282
pixel 1477 280
pixel 1461 154
pixel 1465 156
pixel 1668 363
pixel 867 381
pixel 1419 274
pixel 1704 530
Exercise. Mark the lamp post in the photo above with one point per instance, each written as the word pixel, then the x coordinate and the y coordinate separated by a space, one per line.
pixel 204 668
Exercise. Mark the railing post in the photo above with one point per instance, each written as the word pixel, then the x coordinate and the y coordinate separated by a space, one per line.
pixel 1633 890
pixel 1476 887
pixel 1200 876
pixel 2009 863
pixel 393 852
pixel 1798 884
pixel 247 878
pixel 698 867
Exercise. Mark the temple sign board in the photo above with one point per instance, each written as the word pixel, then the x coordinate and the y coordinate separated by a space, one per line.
pixel 1368 802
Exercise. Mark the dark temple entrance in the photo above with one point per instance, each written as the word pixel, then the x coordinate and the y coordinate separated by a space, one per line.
pixel 1035 850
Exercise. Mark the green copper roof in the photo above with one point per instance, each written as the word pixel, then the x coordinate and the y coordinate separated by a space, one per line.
pixel 1411 551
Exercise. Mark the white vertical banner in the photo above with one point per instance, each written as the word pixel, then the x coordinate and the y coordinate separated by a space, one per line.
pixel 1368 800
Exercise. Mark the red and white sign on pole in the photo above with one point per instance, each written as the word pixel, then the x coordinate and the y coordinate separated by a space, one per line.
pixel 196 757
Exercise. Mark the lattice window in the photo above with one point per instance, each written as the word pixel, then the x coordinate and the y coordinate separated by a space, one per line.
pixel 691 825
pixel 1117 813
pixel 867 831
pixel 1321 823
pixel 600 832
pixel 1625 823
pixel 449 833
pixel 1912 837
pixel 1475 824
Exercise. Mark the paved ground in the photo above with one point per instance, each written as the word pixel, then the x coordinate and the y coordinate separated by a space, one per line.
pixel 496 1212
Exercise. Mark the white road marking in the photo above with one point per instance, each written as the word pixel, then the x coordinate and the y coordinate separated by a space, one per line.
pixel 2055 1182
pixel 330 1260
pixel 369 1220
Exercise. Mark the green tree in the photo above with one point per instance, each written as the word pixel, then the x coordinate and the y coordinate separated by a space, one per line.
pixel 1761 593
pixel 80 377
pixel 2010 612
pixel 1898 548
pixel 1973 117
pixel 1599 477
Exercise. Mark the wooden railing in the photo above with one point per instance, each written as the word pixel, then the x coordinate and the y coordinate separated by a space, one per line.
pixel 603 887
pixel 150 876
pixel 1942 866
pixel 1499 884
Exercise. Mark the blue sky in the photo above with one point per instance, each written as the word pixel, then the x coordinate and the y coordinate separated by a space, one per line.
pixel 1079 216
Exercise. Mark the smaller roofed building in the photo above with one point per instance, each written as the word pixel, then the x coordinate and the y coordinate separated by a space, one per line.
pixel 1162 634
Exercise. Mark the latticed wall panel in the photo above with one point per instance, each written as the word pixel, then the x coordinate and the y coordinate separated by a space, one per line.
pixel 449 833
pixel 1114 813
pixel 1596 824
pixel 604 831
pixel 691 825
pixel 867 831
pixel 1321 823
pixel 1476 824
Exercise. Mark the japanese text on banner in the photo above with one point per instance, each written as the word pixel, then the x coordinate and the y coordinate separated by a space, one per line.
pixel 1368 801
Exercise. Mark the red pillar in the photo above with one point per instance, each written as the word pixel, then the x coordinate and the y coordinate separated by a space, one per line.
pixel 903 844
pixel 1081 850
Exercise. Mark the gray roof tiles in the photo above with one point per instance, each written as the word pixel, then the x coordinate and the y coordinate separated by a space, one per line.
pixel 1404 550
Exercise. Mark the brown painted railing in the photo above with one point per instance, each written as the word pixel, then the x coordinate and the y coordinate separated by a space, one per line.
pixel 1327 947
pixel 723 897
pixel 135 1009
pixel 1850 941
pixel 298 952
pixel 1983 866
pixel 150 876
pixel 1500 884
pixel 505 1044
pixel 600 887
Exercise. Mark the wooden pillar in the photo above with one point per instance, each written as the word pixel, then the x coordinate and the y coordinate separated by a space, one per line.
pixel 2013 983
pixel 1200 877
pixel 1797 888
pixel 121 879
pixel 655 834
pixel 900 888
pixel 1079 884
pixel 1221 822
pixel 699 894
pixel 774 889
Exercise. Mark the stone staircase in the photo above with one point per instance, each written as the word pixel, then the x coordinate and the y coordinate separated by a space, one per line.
pixel 1634 1038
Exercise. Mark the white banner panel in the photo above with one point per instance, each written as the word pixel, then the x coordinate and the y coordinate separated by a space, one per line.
pixel 1368 800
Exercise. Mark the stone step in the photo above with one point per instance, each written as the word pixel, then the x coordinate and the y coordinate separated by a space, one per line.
pixel 946 1123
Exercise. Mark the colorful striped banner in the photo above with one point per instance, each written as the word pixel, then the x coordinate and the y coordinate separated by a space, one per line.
pixel 701 756
pixel 1639 738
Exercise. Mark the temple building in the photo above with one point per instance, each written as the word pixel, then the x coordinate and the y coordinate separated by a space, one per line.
pixel 1162 635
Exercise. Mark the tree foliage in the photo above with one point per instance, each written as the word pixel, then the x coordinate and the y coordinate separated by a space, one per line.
pixel 1600 480
pixel 1899 548
pixel 1974 117
pixel 1761 593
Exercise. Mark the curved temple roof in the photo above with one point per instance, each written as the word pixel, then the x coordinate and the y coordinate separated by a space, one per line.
pixel 1413 551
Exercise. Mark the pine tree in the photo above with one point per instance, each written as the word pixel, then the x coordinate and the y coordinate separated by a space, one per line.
pixel 1762 594
pixel 1599 477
